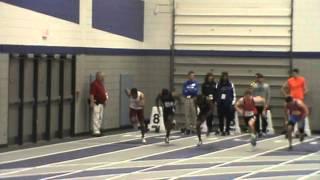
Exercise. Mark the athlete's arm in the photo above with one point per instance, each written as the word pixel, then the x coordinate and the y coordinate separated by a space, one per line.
pixel 304 107
pixel 259 99
pixel 238 106
pixel 306 89
pixel 285 89
pixel 142 100
pixel 286 114
pixel 127 91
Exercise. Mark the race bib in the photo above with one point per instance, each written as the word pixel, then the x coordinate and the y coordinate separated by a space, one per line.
pixel 296 113
pixel 223 96
pixel 248 113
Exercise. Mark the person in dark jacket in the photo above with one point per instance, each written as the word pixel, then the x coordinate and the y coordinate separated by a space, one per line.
pixel 209 90
pixel 226 98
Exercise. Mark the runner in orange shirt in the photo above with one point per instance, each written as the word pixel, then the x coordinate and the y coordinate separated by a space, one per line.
pixel 295 86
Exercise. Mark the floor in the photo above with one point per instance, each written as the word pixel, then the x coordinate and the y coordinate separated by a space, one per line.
pixel 122 156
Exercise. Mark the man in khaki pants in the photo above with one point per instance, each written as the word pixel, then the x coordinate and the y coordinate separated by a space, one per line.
pixel 98 99
pixel 190 92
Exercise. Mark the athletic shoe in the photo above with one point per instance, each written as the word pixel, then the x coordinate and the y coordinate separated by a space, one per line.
pixel 253 140
pixel 166 140
pixel 290 147
pixel 301 137
pixel 199 143
pixel 144 141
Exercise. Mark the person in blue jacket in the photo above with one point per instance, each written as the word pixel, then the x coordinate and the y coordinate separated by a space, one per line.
pixel 190 92
pixel 226 98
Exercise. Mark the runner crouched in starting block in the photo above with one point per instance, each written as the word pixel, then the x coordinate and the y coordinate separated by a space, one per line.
pixel 246 106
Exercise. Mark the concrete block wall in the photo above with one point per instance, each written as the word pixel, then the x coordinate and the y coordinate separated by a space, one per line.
pixel 4 80
pixel 151 74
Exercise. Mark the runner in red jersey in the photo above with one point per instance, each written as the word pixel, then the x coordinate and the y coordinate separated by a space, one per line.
pixel 295 111
pixel 246 106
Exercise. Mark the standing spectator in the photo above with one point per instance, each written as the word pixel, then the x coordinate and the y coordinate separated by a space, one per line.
pixel 98 99
pixel 262 89
pixel 136 110
pixel 226 98
pixel 209 90
pixel 190 91
pixel 295 86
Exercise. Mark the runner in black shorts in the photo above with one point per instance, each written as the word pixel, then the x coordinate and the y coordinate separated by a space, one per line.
pixel 204 105
pixel 166 100
pixel 246 107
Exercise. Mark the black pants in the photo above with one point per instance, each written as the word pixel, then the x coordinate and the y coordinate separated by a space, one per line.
pixel 263 120
pixel 168 121
pixel 225 112
pixel 210 117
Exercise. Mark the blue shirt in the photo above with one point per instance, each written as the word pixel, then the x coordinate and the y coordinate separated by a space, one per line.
pixel 190 88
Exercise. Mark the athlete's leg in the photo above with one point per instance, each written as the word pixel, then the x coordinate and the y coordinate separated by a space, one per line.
pixel 251 123
pixel 201 118
pixel 289 133
pixel 301 125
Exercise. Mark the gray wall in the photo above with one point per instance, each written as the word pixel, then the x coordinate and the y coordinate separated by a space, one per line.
pixel 4 69
pixel 151 74
pixel 310 68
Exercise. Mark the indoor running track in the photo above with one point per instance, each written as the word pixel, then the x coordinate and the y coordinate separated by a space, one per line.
pixel 122 156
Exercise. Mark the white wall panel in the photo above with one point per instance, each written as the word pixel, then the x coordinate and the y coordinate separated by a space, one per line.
pixel 306 25
pixel 233 25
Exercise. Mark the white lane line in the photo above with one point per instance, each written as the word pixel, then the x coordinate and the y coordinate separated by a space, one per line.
pixel 309 175
pixel 26 169
pixel 275 166
pixel 63 143
pixel 236 160
pixel 59 152
pixel 186 159
pixel 128 160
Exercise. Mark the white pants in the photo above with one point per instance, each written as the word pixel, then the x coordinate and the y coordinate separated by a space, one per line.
pixel 97 115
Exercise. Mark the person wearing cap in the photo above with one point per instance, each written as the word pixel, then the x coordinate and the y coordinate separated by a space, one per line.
pixel 226 98
pixel 190 92
pixel 262 89
pixel 98 99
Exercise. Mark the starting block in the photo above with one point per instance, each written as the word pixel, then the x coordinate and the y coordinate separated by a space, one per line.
pixel 156 120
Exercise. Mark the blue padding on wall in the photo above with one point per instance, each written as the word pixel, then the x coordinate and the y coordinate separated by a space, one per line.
pixel 122 17
pixel 151 52
pixel 63 9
